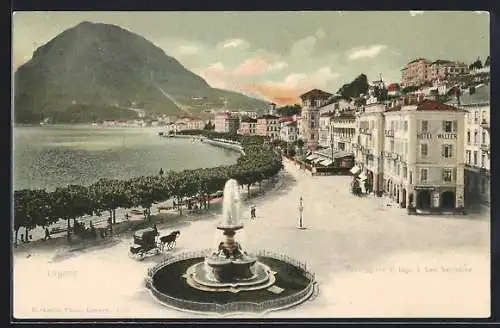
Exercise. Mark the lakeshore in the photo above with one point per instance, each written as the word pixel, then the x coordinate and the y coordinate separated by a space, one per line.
pixel 370 259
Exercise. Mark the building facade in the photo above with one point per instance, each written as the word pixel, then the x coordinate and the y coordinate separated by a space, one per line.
pixel 221 121
pixel 477 144
pixel 268 126
pixel 288 131
pixel 343 128
pixel 369 143
pixel 442 69
pixel 248 126
pixel 310 102
pixel 415 73
pixel 324 139
pixel 424 155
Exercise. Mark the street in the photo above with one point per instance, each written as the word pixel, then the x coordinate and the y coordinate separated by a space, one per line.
pixel 370 259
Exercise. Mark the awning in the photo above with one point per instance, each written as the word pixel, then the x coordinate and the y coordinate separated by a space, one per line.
pixel 311 157
pixel 317 160
pixel 355 170
pixel 326 162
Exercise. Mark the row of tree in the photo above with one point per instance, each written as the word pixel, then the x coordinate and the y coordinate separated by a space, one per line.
pixel 38 207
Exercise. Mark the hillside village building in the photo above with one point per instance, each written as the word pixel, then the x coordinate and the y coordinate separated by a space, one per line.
pixel 422 71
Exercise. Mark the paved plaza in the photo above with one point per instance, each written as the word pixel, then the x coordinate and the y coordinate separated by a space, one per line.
pixel 370 260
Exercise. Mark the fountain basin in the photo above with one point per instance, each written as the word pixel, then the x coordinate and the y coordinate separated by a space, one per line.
pixel 175 283
pixel 228 270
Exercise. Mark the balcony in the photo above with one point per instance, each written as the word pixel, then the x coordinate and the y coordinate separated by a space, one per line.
pixel 424 135
pixel 389 133
pixel 485 148
pixel 485 124
pixel 365 131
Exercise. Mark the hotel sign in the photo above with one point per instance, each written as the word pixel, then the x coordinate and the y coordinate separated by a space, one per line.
pixel 444 136
pixel 447 136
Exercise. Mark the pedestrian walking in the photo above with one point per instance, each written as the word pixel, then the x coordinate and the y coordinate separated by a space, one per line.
pixel 47 234
pixel 252 212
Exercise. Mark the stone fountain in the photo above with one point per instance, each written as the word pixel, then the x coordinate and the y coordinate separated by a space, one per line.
pixel 226 278
pixel 229 267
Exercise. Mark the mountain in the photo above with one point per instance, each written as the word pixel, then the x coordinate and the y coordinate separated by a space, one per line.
pixel 96 71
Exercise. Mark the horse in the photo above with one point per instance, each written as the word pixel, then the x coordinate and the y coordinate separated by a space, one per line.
pixel 169 240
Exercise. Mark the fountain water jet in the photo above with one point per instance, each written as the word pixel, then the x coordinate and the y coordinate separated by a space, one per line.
pixel 230 266
pixel 228 279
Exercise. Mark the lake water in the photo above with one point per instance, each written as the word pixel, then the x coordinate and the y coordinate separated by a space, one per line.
pixel 52 156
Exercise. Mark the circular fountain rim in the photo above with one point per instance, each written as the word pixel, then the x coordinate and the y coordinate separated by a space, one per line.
pixel 305 294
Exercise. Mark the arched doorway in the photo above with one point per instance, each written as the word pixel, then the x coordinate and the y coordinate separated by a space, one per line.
pixel 448 200
pixel 424 199
pixel 403 196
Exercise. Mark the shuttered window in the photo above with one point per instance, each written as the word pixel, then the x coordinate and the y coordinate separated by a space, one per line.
pixel 447 151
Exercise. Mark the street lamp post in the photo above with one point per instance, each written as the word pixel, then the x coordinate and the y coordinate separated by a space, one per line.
pixel 331 142
pixel 301 208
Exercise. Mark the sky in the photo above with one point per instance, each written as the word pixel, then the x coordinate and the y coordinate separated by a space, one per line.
pixel 277 56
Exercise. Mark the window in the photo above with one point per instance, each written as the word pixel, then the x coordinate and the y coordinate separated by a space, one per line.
pixel 483 138
pixel 424 150
pixel 405 172
pixel 483 160
pixel 475 157
pixel 423 175
pixel 468 156
pixel 424 127
pixel 447 175
pixel 405 126
pixel 447 151
pixel 450 126
pixel 476 117
pixel 411 177
pixel 468 136
pixel 475 137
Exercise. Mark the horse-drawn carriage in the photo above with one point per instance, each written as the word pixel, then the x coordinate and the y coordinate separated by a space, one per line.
pixel 146 243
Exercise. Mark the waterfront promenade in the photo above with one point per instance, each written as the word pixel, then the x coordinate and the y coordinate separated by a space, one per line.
pixel 370 260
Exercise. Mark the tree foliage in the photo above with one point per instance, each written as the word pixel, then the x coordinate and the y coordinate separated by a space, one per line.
pixel 352 90
pixel 289 110
pixel 40 208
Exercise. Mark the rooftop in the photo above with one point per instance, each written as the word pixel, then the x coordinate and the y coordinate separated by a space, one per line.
pixel 418 59
pixel 268 117
pixel 426 106
pixel 247 119
pixel 315 92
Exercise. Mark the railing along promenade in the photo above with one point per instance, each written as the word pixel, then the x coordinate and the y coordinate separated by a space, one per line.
pixel 233 307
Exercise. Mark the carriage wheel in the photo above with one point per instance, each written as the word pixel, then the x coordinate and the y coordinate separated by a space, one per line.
pixel 141 255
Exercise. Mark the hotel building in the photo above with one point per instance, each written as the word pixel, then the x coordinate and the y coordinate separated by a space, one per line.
pixel 423 154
